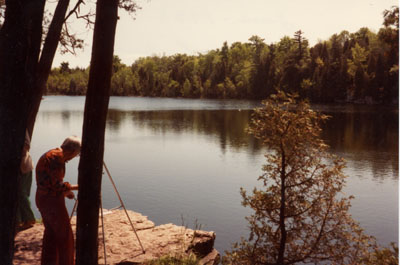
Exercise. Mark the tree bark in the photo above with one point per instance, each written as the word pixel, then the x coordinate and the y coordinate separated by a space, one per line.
pixel 46 60
pixel 96 106
pixel 20 39
pixel 282 211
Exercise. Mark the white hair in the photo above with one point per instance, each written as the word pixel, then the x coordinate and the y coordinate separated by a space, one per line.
pixel 72 144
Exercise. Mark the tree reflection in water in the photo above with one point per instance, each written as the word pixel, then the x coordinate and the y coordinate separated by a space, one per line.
pixel 365 134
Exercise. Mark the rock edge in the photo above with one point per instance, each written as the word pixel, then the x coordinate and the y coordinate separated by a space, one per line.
pixel 122 245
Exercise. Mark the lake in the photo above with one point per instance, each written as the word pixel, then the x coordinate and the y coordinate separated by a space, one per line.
pixel 183 161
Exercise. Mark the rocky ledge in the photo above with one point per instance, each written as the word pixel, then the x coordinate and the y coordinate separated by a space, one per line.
pixel 122 245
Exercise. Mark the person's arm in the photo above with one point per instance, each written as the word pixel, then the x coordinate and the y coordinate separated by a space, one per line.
pixel 69 194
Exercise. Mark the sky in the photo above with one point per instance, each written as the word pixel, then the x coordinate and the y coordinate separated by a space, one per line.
pixel 168 27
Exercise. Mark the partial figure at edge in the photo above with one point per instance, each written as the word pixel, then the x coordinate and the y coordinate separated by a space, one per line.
pixel 24 217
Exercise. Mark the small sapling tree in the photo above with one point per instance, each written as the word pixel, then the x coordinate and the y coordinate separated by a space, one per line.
pixel 300 214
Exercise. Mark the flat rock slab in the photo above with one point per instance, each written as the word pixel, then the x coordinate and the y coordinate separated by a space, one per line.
pixel 122 245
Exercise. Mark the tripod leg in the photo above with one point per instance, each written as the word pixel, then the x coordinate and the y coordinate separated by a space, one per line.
pixel 122 204
pixel 73 209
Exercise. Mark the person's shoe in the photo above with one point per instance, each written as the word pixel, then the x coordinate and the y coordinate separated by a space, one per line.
pixel 25 225
pixel 30 223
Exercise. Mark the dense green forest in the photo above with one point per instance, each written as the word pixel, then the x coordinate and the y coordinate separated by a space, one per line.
pixel 354 67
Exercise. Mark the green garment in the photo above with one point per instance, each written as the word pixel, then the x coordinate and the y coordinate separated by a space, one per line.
pixel 24 211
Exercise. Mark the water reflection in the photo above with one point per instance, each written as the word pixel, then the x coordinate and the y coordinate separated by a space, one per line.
pixel 364 134
pixel 362 131
pixel 359 136
pixel 228 126
pixel 368 137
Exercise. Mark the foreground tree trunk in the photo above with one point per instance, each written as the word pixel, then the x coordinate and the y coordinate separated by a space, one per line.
pixel 20 39
pixel 96 106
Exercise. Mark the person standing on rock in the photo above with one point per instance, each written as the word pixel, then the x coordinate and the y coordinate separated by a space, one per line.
pixel 25 216
pixel 58 240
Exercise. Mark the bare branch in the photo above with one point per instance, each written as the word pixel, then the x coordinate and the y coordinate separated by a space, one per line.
pixel 74 10
pixel 69 42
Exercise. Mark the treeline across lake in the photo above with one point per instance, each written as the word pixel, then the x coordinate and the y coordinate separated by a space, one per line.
pixel 356 67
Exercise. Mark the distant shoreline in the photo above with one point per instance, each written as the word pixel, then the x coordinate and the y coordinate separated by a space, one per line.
pixel 341 102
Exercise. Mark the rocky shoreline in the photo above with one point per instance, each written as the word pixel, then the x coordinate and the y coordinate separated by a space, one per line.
pixel 122 245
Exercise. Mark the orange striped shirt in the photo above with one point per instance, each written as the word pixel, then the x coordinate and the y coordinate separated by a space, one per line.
pixel 50 172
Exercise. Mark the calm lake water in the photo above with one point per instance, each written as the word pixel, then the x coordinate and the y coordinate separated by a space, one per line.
pixel 183 159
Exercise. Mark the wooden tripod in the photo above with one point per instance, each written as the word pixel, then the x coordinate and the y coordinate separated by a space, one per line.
pixel 101 214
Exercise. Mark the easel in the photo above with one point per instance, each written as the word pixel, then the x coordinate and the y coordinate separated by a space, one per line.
pixel 101 213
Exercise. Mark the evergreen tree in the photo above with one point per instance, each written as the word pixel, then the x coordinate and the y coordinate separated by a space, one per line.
pixel 297 217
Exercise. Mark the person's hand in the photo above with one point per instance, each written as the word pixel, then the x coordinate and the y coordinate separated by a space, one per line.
pixel 70 195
